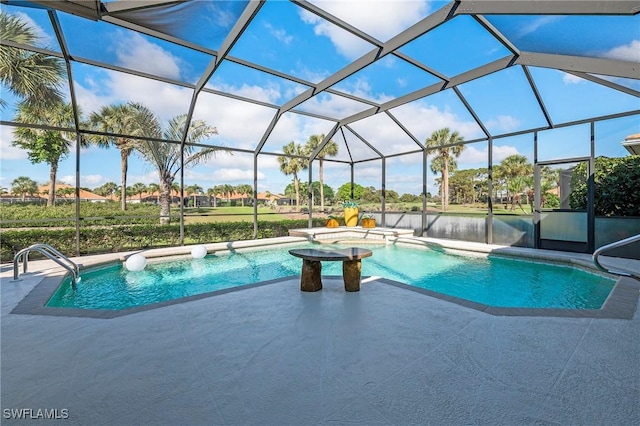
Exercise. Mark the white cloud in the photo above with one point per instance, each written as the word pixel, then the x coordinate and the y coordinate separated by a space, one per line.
pixel 626 52
pixel 472 155
pixel 303 71
pixel 164 99
pixel 279 34
pixel 348 45
pixel 235 174
pixel 137 53
pixel 381 132
pixel 44 39
pixel 91 181
pixel 571 79
pixel 422 119
pixel 8 151
pixel 68 179
pixel 366 174
pixel 382 19
pixel 404 178
pixel 332 105
pixel 295 127
pixel 235 160
pixel 146 178
pixel 504 123
pixel 361 88
pixel 240 124
pixel 269 93
pixel 502 152
pixel 538 23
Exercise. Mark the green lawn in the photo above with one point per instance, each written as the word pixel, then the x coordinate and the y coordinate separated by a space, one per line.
pixel 229 214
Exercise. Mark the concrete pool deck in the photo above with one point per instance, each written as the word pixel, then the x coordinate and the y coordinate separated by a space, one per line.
pixel 274 355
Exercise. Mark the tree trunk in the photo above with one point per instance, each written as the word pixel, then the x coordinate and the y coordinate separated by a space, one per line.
pixel 320 172
pixel 165 199
pixel 296 186
pixel 445 185
pixel 53 172
pixel 124 165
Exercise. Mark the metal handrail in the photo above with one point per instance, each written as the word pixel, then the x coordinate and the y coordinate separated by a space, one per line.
pixel 611 246
pixel 49 252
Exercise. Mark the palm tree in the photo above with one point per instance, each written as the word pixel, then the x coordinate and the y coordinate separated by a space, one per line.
pixel 166 156
pixel 244 189
pixel 330 149
pixel 139 188
pixel 107 189
pixel 549 179
pixel 24 185
pixel 228 191
pixel 215 191
pixel 292 165
pixel 514 169
pixel 444 159
pixel 64 192
pixel 153 188
pixel 211 193
pixel 45 146
pixel 34 77
pixel 516 185
pixel 131 119
pixel 194 190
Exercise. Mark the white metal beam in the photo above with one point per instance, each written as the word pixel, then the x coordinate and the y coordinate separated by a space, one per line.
pixel 548 7
pixel 602 66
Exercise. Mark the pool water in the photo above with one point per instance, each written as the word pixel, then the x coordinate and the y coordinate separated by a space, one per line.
pixel 489 280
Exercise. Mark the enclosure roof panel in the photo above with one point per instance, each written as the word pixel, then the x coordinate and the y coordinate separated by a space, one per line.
pixel 381 74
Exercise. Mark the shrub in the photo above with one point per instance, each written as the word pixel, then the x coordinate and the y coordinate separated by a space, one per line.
pixel 91 214
pixel 616 186
pixel 135 237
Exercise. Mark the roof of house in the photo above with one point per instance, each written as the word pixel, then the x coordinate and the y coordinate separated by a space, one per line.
pixel 632 144
pixel 43 190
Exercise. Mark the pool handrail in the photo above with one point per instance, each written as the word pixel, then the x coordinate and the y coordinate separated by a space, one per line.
pixel 611 246
pixel 49 252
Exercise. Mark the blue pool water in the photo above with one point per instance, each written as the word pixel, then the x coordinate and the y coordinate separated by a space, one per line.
pixel 492 281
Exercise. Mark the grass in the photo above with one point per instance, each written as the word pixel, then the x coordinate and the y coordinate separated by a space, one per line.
pixel 229 214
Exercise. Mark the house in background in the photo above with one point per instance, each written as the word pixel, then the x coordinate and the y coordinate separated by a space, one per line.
pixel 68 193
pixel 632 144
pixel 64 192
pixel 270 199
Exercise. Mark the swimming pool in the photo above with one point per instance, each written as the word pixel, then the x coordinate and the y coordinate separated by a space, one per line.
pixel 493 281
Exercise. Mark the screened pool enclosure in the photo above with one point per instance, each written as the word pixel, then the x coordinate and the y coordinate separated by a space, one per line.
pixel 537 94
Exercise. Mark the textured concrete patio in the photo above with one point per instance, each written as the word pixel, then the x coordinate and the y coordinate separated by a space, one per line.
pixel 274 355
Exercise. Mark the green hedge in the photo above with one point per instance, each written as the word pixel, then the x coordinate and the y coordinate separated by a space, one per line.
pixel 136 237
pixel 616 186
pixel 37 216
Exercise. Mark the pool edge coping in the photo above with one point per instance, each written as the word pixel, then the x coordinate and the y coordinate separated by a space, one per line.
pixel 621 303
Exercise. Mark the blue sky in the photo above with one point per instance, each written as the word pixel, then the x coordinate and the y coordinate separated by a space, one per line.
pixel 291 40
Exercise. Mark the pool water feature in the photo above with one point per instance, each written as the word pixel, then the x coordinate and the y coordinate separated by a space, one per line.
pixel 493 281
